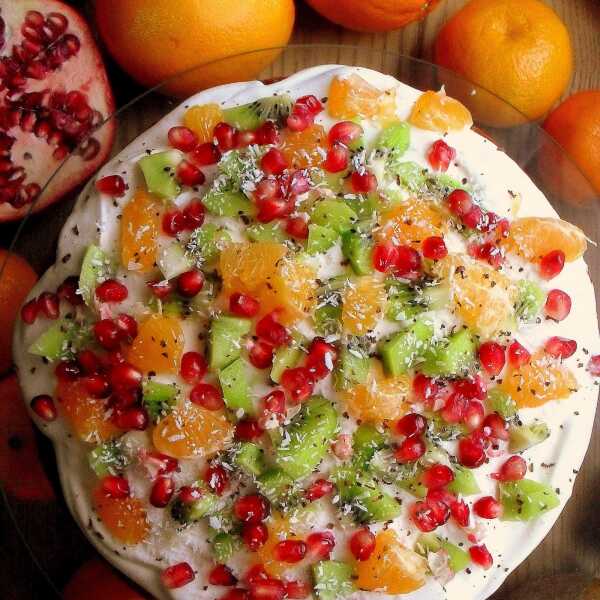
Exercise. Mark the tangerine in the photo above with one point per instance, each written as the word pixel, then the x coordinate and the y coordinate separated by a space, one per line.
pixel 280 529
pixel 436 111
pixel 202 120
pixel 352 96
pixel 363 304
pixel 304 149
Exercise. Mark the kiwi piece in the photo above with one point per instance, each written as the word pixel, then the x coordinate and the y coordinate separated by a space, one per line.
pixel 253 115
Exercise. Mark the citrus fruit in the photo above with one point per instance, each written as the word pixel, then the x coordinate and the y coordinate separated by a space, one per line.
pixel 391 568
pixel 438 112
pixel 140 226
pixel 352 96
pixel 363 304
pixel 541 380
pixel 158 345
pixel 303 149
pixel 192 431
pixel 202 120
pixel 519 50
pixel 125 518
pixel 575 125
pixel 280 529
pixel 373 15
pixel 16 279
pixel 381 398
pixel 156 40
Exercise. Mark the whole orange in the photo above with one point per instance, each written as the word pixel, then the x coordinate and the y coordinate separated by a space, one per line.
pixel 373 15
pixel 518 49
pixel 16 279
pixel 156 39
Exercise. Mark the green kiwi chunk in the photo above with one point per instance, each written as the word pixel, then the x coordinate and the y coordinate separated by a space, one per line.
pixel 252 115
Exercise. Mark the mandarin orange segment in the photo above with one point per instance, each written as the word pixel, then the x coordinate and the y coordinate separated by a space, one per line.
pixel 202 120
pixel 437 112
pixel 352 96
pixel 391 568
pixel 534 237
pixel 304 149
pixel 543 379
pixel 192 431
pixel 88 417
pixel 140 227
pixel 125 518
pixel 380 399
pixel 363 304
pixel 158 345
pixel 280 529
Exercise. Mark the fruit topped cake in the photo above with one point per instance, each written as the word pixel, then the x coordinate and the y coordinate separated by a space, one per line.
pixel 314 339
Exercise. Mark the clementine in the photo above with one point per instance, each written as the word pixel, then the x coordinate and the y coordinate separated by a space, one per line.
pixel 519 50
pixel 156 39
pixel 373 15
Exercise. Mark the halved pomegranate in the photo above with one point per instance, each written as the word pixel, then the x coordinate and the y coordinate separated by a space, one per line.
pixel 53 93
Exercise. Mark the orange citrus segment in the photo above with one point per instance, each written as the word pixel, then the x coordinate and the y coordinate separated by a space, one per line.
pixel 125 518
pixel 391 568
pixel 542 380
pixel 158 345
pixel 534 237
pixel 280 529
pixel 353 96
pixel 202 120
pixel 87 416
pixel 380 399
pixel 437 112
pixel 140 227
pixel 192 431
pixel 363 304
pixel 304 149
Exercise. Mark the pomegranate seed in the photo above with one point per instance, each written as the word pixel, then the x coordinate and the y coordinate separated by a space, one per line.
pixel 434 248
pixel 318 489
pixel 131 419
pixel 298 383
pixel 363 183
pixel 243 305
pixel 297 227
pixel 111 290
pixel 474 218
pixel 205 155
pixel 162 492
pixel 224 135
pixel 30 311
pixel 127 326
pixel 49 305
pixel 193 367
pixel 459 202
pixel 255 535
pixel 558 305
pixel 481 556
pixel 513 469
pixel 425 389
pixel 311 103
pixel 113 185
pixel 385 256
pixel 455 408
pixel 487 507
pixel 270 330
pixel 248 430
pixel 440 155
pixel 235 594
pixel 460 512
pixel 190 283
pixel 157 463
pixel 267 189
pixel 552 264
pixel 471 453
pixel 321 358
pixel 296 590
pixel 274 402
pixel 495 427
pixel 67 370
pixel 125 376
pixel 593 365
pixel 253 508
pixel 96 386
pixel 492 357
pixel 439 501
pixel 410 450
pixel 345 133
pixel 89 362
pixel 408 263
pixel 337 159
pixel 342 447
pixel 487 252
pixel 518 355
pixel 255 573
pixel 221 575
pixel 299 183
pixel 182 138
pixel 362 544
pixel 161 289
pixel 276 208
pixel 177 575
pixel 189 174
pixel 437 476
pixel 298 121
pixel 289 551
pixel 108 334
pixel 474 415
pixel 242 139
pixel 194 214
pixel 261 354
pixel 115 487
pixel 173 222
pixel 423 516
pixel 273 162
pixel 267 134
pixel 411 424
pixel 216 479
pixel 43 406
pixel 189 494
pixel 67 291
pixel 472 388
pixel 560 347
pixel 208 396
pixel 320 544
pixel 267 589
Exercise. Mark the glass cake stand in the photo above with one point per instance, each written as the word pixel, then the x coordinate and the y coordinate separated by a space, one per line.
pixel 53 540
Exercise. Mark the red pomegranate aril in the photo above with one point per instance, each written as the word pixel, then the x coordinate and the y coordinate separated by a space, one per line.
pixel 96 386
pixel 114 486
pixel 111 290
pixel 472 388
pixel 243 139
pixel 274 402
pixel 273 162
pixel 189 174
pixel 253 508
pixel 30 311
pixel 177 576
pixel 173 222
pixel 455 408
pixel 290 551
pixel 411 424
pixel 261 354
pixel 297 227
pixel 267 589
pixel 474 218
pixel 225 136
pixel 49 305
pixel 205 155
pixel 158 463
pixel 552 264
pixel 297 590
pixel 558 305
pixel 492 357
pixel 560 347
pixel 194 214
pixel 162 492
pixel 425 389
pixel 514 469
pixel 190 283
pixel 474 415
pixel 134 418
pixel 299 183
pixel 459 202
pixel 299 121
pixel 221 575
pixel 193 366
pixel 321 358
pixel 216 478
pixel 207 396
pixel 248 430
pixel 408 263
pixel 243 305
pixel 254 535
pixel 363 183
pixel 410 450
pixel 518 355
pixel 311 103
pixel 43 406
pixel 108 334
pixel 337 159
pixel 459 510
pixel 125 376
pixel 344 132
pixel 161 289
pixel 495 427
pixel 439 501
pixel 182 138
pixel 471 453
pixel 593 366
pixel 189 494
pixel 67 291
pixel 423 516
pixel 275 208
pixel 267 134
pixel 89 362
pixel 127 325
pixel 67 370
pixel 319 545
pixel 255 573
pixel 112 185
pixel 440 155
pixel 362 544
pixel 437 476
pixel 269 329
pixel 434 248
pixel 385 256
pixel 481 556
pixel 318 489
pixel 487 508
pixel 267 189
pixel 298 383
pixel 235 594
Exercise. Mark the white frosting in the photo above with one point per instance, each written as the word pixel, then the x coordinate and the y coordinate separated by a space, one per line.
pixel 94 220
